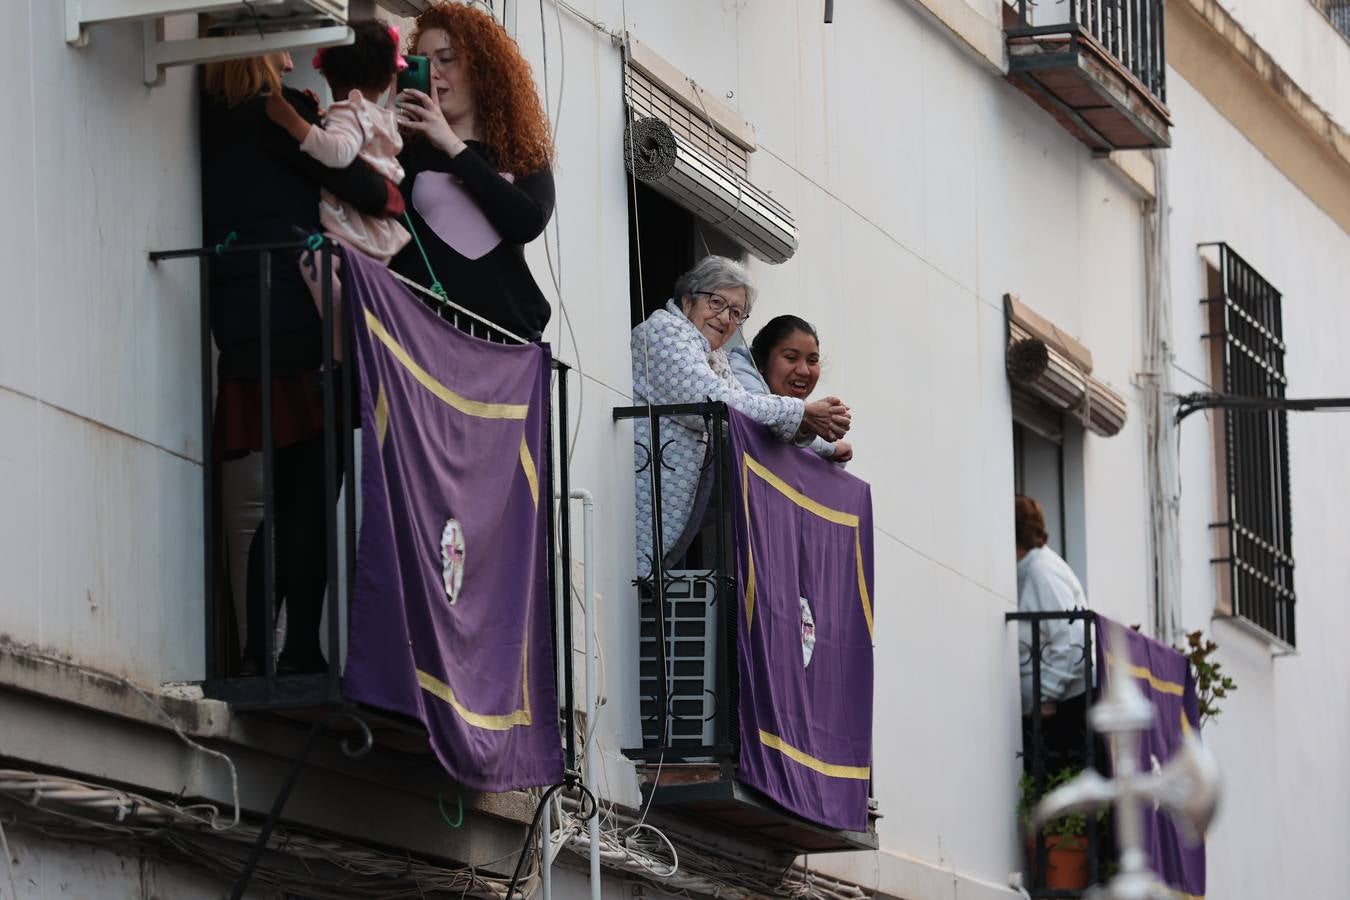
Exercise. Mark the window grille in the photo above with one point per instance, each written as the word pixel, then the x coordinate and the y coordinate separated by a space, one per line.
pixel 1254 528
pixel 1338 11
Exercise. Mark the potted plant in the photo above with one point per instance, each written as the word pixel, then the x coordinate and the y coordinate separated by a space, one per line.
pixel 1066 842
pixel 1211 685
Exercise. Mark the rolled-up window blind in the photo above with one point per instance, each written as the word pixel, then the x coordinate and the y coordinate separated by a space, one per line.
pixel 688 147
pixel 1030 411
pixel 658 157
pixel 1057 371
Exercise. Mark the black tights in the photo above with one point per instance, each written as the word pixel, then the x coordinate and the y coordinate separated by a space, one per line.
pixel 301 558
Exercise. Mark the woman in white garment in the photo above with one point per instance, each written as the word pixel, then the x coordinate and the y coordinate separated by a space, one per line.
pixel 784 359
pixel 1045 583
pixel 678 358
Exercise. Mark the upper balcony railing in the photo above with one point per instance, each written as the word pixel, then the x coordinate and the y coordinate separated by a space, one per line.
pixel 1130 30
pixel 1099 65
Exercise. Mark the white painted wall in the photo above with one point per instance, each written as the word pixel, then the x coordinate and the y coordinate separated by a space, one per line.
pixel 1305 44
pixel 99 472
pixel 925 188
pixel 46 869
pixel 1283 737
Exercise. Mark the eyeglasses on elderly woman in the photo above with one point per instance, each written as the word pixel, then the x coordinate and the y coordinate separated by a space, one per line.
pixel 718 304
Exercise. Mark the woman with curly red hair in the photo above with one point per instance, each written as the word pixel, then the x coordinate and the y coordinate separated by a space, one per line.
pixel 478 181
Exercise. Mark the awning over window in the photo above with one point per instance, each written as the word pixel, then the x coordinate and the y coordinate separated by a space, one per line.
pixel 694 149
pixel 1048 365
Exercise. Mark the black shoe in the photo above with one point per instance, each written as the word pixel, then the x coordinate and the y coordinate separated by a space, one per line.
pixel 301 665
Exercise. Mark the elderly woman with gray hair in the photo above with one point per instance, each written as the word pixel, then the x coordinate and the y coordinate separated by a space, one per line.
pixel 678 358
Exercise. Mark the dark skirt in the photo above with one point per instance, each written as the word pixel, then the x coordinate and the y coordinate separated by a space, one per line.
pixel 297 413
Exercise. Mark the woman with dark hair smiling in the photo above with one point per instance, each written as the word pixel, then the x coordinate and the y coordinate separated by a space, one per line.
pixel 784 359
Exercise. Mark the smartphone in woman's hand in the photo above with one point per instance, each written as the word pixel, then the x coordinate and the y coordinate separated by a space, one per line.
pixel 417 76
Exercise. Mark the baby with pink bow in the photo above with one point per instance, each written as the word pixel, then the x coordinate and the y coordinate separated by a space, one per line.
pixel 360 72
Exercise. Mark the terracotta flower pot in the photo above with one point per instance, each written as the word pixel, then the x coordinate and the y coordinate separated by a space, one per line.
pixel 1066 860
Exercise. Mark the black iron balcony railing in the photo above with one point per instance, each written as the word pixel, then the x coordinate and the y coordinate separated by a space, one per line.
pixel 689 659
pixel 268 688
pixel 1131 31
pixel 688 612
pixel 1057 743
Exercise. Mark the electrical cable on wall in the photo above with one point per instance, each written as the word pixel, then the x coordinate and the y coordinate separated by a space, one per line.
pixel 555 274
pixel 652 450
pixel 1161 432
pixel 597 24
pixel 527 849
pixel 696 866
pixel 653 453
pixel 9 862
pixel 68 809
pixel 234 772
pixel 73 810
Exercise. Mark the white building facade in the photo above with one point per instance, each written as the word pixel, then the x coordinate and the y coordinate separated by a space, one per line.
pixel 925 187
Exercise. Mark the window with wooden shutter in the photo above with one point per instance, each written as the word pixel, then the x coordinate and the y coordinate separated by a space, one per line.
pixel 692 148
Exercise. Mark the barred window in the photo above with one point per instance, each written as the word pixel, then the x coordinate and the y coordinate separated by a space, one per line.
pixel 1252 530
pixel 1338 11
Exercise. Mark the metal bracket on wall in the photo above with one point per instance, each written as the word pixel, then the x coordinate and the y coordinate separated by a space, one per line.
pixel 1189 403
pixel 160 54
pixel 276 26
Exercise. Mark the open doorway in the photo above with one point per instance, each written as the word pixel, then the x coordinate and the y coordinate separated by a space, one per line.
pixel 1048 466
pixel 664 241
pixel 1038 471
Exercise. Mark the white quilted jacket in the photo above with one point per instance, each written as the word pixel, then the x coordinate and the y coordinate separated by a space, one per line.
pixel 672 363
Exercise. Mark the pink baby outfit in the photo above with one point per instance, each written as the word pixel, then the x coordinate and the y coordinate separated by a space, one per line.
pixel 356 127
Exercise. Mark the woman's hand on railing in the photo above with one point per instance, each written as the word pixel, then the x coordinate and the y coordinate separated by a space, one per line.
pixel 829 418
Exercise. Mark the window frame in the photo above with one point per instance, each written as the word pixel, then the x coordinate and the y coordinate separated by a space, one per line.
pixel 1252 525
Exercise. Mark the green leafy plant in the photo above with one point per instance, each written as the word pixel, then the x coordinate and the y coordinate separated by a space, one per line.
pixel 1072 825
pixel 1211 685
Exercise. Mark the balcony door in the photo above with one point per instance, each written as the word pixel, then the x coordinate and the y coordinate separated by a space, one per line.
pixel 1048 466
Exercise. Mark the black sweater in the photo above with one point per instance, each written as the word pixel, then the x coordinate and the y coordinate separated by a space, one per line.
pixel 257 183
pixel 496 285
